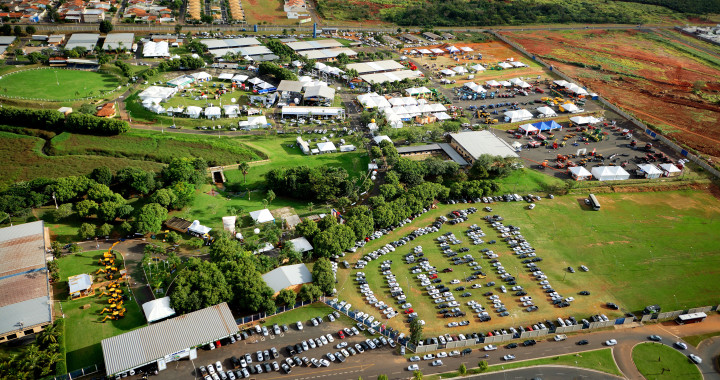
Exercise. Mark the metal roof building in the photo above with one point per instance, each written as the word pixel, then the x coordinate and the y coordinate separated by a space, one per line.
pixel 313 45
pixel 86 40
pixel 287 276
pixel 375 67
pixel 472 145
pixel 167 341
pixel 113 41
pixel 25 305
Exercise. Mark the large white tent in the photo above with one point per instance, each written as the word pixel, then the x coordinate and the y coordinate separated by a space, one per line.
pixel 570 108
pixel 527 129
pixel 582 120
pixel 262 216
pixel 517 115
pixel 158 309
pixel 610 173
pixel 546 111
pixel 579 173
pixel 670 170
pixel 650 171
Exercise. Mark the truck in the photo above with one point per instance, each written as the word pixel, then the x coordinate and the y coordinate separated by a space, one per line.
pixel 560 337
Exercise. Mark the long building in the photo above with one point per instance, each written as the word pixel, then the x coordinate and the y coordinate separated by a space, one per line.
pixel 247 46
pixel 471 145
pixel 382 71
pixel 25 303
pixel 167 341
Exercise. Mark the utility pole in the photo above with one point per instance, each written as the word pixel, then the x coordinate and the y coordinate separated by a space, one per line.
pixel 55 199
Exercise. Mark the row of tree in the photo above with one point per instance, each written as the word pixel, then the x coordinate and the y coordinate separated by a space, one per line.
pixel 44 357
pixel 55 121
pixel 319 183
pixel 278 72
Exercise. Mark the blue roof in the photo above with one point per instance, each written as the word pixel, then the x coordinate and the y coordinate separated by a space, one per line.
pixel 547 125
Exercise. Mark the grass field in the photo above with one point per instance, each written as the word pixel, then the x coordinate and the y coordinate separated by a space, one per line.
pixel 599 360
pixel 158 147
pixel 44 84
pixel 24 160
pixel 696 339
pixel 84 328
pixel 632 242
pixel 656 361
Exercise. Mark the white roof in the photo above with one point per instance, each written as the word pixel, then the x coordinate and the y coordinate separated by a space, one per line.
pixel 609 173
pixel 417 90
pixel 584 119
pixel 86 40
pixel 447 72
pixel 157 92
pixel 231 109
pixel 478 67
pixel 528 128
pixel 492 83
pixel 466 48
pixel 460 69
pixel 374 67
pixel 326 146
pixel 650 169
pixel 324 92
pixel 561 82
pixel 437 51
pixel 579 171
pixel 545 110
pixel 229 223
pixel 201 75
pixel 113 40
pixel 286 276
pixel 505 65
pixel 518 115
pixel 570 107
pixel 212 111
pixel 193 110
pixel 156 49
pixel 225 76
pixel 424 51
pixel 394 76
pixel 262 216
pixel 670 168
pixel 239 78
pixel 477 143
pixel 80 282
pixel 442 116
pixel 158 309
pixel 475 87
pixel 381 138
pixel 198 228
pixel 301 244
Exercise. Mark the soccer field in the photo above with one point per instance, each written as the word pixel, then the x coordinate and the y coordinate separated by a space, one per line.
pixel 641 249
pixel 56 84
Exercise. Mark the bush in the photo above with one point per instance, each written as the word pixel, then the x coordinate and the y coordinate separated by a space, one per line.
pixel 51 120
pixel 61 365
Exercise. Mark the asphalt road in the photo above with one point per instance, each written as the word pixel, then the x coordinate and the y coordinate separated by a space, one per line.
pixel 546 373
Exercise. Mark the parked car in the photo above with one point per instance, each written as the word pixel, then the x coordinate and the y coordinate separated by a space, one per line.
pixel 611 342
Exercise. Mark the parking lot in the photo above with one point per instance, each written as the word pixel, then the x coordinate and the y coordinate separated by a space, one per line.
pixel 257 342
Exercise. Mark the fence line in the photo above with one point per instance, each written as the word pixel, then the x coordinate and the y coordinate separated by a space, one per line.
pixel 699 161
pixel 76 373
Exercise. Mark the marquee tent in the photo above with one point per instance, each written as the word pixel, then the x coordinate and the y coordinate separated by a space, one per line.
pixel 448 72
pixel 528 129
pixel 477 67
pixel 579 173
pixel 582 120
pixel 505 65
pixel 547 125
pixel 569 107
pixel 452 49
pixel 493 83
pixel 649 171
pixel 460 70
pixel 158 309
pixel 517 115
pixel 610 173
pixel 546 111
pixel 670 170
pixel 262 216
pixel 474 87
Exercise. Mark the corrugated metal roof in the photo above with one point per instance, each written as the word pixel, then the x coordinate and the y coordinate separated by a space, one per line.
pixel 477 143
pixel 148 344
pixel 288 275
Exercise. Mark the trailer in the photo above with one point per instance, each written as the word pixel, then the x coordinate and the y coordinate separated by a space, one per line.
pixel 690 318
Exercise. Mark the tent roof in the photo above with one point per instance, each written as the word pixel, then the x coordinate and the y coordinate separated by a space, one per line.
pixel 528 128
pixel 262 216
pixel 198 228
pixel 670 168
pixel 649 169
pixel 580 171
pixel 158 309
pixel 286 276
pixel 545 110
pixel 326 146
pixel 301 244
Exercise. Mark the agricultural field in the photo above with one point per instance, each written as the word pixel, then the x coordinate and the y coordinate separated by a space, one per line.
pixel 156 147
pixel 56 84
pixel 626 247
pixel 83 326
pixel 266 12
pixel 24 159
pixel 664 82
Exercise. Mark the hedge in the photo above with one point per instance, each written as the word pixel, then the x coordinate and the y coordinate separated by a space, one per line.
pixel 54 121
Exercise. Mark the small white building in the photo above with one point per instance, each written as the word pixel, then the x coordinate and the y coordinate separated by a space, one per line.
pixel 262 216
pixel 193 112
pixel 326 147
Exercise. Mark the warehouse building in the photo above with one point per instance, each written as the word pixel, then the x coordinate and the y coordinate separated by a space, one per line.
pixel 25 304
pixel 122 41
pixel 86 40
pixel 382 71
pixel 471 145
pixel 167 341
pixel 246 47
pixel 289 276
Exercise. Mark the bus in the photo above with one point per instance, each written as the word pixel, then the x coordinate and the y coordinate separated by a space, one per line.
pixel 594 202
pixel 690 318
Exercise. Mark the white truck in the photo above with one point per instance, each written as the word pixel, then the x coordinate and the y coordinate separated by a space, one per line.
pixel 560 337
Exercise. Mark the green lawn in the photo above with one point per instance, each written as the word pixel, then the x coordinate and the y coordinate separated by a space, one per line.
pixel 632 242
pixel 84 329
pixel 68 84
pixel 599 360
pixel 527 181
pixel 154 146
pixel 302 314
pixel 656 361
pixel 24 160
pixel 696 339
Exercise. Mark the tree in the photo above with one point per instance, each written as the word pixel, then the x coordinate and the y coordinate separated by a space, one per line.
pixel 30 29
pixel 415 331
pixel 125 228
pixel 333 241
pixel 86 231
pixel 463 369
pixel 483 365
pixel 17 30
pixel 417 375
pixel 135 180
pixel 63 211
pixel 307 228
pixel 360 220
pixel 249 291
pixel 164 197
pixel 86 208
pixel 309 293
pixel 150 218
pixel 106 26
pixel 199 285
pixel 383 377
pixel 108 211
pixel 102 175
pixel 270 196
pixel 244 168
pixel 173 237
pixel 184 170
pixel 286 297
pixel 105 230
pixel 5 29
pixel 323 276
pixel 178 28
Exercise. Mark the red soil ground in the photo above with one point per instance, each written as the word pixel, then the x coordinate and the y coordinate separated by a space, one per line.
pixel 651 79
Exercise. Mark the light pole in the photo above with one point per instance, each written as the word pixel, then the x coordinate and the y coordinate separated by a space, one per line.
pixel 56 78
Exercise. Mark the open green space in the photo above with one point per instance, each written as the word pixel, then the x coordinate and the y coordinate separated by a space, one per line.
pixel 56 84
pixel 599 360
pixel 158 147
pixel 83 321
pixel 656 361
pixel 627 245
pixel 24 159
pixel 696 339
pixel 302 314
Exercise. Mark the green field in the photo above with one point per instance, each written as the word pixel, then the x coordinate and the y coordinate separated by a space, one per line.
pixel 696 339
pixel 84 329
pixel 158 147
pixel 632 242
pixel 656 361
pixel 24 159
pixel 44 84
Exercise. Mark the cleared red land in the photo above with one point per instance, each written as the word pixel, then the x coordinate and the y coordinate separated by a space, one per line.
pixel 645 73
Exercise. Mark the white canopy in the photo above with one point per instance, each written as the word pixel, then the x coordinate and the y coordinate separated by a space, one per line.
pixel 518 115
pixel 528 128
pixel 670 168
pixel 466 48
pixel 493 83
pixel 460 69
pixel 452 49
pixel 213 112
pixel 301 244
pixel 239 78
pixel 546 111
pixel 582 120
pixel 570 107
pixel 505 65
pixel 651 171
pixel 193 111
pixel 477 67
pixel 610 173
pixel 561 82
pixel 580 173
pixel 442 116
pixel 158 309
pixel 198 228
pixel 417 91
pixel 381 138
pixel 437 51
pixel 325 147
pixel 424 51
pixel 231 110
pixel 225 76
pixel 447 72
pixel 262 216
pixel 505 83
pixel 475 87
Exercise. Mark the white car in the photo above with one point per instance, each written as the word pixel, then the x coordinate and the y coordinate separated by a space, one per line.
pixel 453 324
pixel 611 342
pixel 428 357
pixel 442 354
pixel 436 363
pixel 329 338
pixel 299 325
pixel 526 298
pixel 341 345
pixel 455 281
pixel 490 347
pixel 681 345
pixel 218 365
pixel 413 367
pixel 696 359
pixel 508 357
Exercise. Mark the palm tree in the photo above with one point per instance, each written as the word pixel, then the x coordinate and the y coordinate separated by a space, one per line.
pixel 244 167
pixel 310 206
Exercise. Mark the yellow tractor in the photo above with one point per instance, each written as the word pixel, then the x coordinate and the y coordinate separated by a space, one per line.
pixel 105 310
pixel 489 120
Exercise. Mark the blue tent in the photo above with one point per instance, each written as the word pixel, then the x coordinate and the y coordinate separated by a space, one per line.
pixel 547 125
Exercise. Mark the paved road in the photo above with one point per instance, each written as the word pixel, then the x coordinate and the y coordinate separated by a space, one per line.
pixel 546 373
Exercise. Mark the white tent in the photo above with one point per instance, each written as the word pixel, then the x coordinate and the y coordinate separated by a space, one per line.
pixel 326 147
pixel 460 70
pixel 452 49
pixel 650 171
pixel 610 173
pixel 560 82
pixel 231 110
pixel 477 67
pixel 466 49
pixel 239 78
pixel 437 51
pixel 493 83
pixel 301 244
pixel 670 170
pixel 475 87
pixel 524 85
pixel 528 128
pixel 517 145
pixel 158 309
pixel 213 112
pixel 517 115
pixel 448 72
pixel 505 65
pixel 442 116
pixel 570 108
pixel 579 173
pixel 229 223
pixel 582 120
pixel 262 216
pixel 193 111
pixel 253 122
pixel 225 76
pixel 198 229
pixel 546 111
pixel 505 83
pixel 381 138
